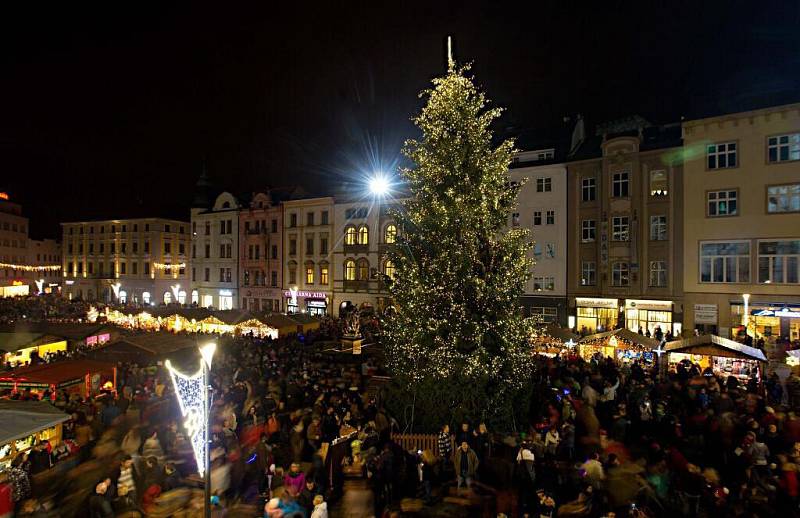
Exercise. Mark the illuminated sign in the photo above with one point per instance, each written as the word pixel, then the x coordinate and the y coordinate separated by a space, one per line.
pixel 664 305
pixel 596 303
pixel 3 195
pixel 780 313
pixel 226 293
pixel 305 294
pixel 17 283
pixel 316 304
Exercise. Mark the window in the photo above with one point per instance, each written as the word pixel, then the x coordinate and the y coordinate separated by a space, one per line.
pixel 227 275
pixel 274 279
pixel 146 297
pixel 247 277
pixel 194 273
pixel 783 198
pixel 222 227
pixel 588 273
pixel 309 246
pixel 658 274
pixel 658 183
pixel 722 203
pixel 114 248
pixel 721 156
pixel 588 189
pixel 292 275
pixel 229 226
pixel 725 261
pixel 620 185
pixel 274 225
pixel 550 250
pixel 658 228
pixel 310 274
pixel 620 274
pixel 544 283
pixel 222 275
pixel 135 266
pixel 324 218
pixel 783 148
pixel 292 220
pixel 778 261
pixel 194 250
pixel 274 251
pixel 146 247
pixel 136 227
pixel 194 228
pixel 350 236
pixel 222 251
pixel 91 248
pixel 323 245
pixel 620 228
pixel 515 219
pixel 90 268
pixel 390 234
pixel 208 228
pixel 310 219
pixel 363 235
pixel 167 228
pixel 588 230
pixel 292 247
pixel 208 251
pixel 207 276
pixel 113 228
pixel 363 270
pixel 349 270
pixel 551 217
pixel 135 246
pixel 544 185
pixel 544 314
pixel 123 268
pixel 323 275
pixel 537 251
pixel 537 217
pixel 388 268
pixel 147 268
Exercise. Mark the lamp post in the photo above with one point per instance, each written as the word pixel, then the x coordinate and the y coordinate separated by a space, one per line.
pixel 195 400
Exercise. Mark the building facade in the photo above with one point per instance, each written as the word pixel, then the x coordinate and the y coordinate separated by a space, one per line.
pixel 15 276
pixel 307 252
pixel 742 222
pixel 625 230
pixel 215 254
pixel 364 230
pixel 260 254
pixel 542 208
pixel 129 261
pixel 43 254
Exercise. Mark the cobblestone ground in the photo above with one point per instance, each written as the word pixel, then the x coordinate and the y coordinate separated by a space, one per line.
pixel 356 502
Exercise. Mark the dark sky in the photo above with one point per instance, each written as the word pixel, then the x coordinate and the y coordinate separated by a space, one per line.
pixel 109 112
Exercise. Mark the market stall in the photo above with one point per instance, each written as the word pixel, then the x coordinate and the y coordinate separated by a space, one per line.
pixel 619 344
pixel 84 377
pixel 25 423
pixel 552 340
pixel 19 346
pixel 722 355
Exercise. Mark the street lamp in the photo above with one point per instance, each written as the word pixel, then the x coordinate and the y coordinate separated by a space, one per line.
pixel 194 399
pixel 379 185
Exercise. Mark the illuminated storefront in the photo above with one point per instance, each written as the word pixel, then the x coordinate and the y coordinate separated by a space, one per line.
pixel 27 423
pixel 311 302
pixel 596 314
pixel 650 314
pixel 769 319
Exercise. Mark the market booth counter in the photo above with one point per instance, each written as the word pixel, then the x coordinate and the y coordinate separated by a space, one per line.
pixel 722 355
pixel 552 340
pixel 619 344
pixel 25 423
pixel 19 346
pixel 84 377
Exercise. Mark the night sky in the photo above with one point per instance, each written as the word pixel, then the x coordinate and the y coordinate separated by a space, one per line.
pixel 109 112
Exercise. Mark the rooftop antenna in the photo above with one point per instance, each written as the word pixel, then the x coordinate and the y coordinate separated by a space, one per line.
pixel 450 62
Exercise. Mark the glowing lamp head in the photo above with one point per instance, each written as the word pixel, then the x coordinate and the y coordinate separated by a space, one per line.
pixel 207 352
pixel 379 185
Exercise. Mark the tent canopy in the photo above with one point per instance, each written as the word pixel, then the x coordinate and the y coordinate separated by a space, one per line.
pixel 713 345
pixel 623 334
pixel 19 419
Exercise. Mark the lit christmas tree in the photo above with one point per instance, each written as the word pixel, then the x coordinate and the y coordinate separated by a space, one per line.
pixel 456 339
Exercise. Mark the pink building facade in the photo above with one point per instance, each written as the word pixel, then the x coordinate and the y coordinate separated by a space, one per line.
pixel 261 241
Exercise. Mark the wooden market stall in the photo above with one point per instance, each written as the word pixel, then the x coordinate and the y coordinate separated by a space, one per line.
pixel 85 377
pixel 24 423
pixel 285 325
pixel 19 346
pixel 76 334
pixel 145 348
pixel 619 344
pixel 552 340
pixel 304 322
pixel 722 355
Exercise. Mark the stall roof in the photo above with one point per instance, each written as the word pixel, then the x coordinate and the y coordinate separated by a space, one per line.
pixel 235 316
pixel 713 345
pixel 12 342
pixel 157 342
pixel 68 331
pixel 302 318
pixel 279 321
pixel 55 373
pixel 624 334
pixel 19 419
pixel 197 314
pixel 561 333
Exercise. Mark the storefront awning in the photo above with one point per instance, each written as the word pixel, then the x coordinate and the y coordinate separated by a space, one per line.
pixel 713 345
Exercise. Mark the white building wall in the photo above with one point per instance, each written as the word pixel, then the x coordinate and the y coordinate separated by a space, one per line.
pixel 220 291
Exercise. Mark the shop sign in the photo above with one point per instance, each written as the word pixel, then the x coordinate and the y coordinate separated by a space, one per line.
pixel 705 313
pixel 603 243
pixel 660 305
pixel 316 304
pixel 787 313
pixel 305 294
pixel 596 303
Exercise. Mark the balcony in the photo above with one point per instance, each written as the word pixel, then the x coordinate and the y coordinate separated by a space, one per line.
pixel 356 249
pixel 356 285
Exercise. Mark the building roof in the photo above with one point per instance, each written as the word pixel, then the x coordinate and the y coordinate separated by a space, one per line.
pixel 713 345
pixel 69 331
pixel 157 343
pixel 55 373
pixel 20 419
pixel 12 342
pixel 624 334
pixel 561 333
pixel 279 321
pixel 197 314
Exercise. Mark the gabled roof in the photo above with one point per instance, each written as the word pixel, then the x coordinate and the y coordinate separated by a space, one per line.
pixel 561 333
pixel 160 342
pixel 713 345
pixel 19 419
pixel 624 334
pixel 70 331
pixel 233 316
pixel 54 373
pixel 12 342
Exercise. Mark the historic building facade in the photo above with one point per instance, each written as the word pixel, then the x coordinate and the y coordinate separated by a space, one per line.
pixel 742 222
pixel 625 230
pixel 260 254
pixel 134 261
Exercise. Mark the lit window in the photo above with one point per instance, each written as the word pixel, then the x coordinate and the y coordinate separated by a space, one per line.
pixel 363 270
pixel 722 203
pixel 658 228
pixel 778 261
pixel 543 283
pixel 388 269
pixel 658 183
pixel 390 234
pixel 725 262
pixel 721 156
pixel 349 270
pixel 350 236
pixel 310 274
pixel 783 148
pixel 620 274
pixel 323 275
pixel 363 235
pixel 658 273
pixel 783 198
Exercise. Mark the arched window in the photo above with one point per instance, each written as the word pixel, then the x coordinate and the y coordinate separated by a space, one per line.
pixel 309 272
pixel 123 297
pixel 195 297
pixel 390 234
pixel 350 236
pixel 363 235
pixel 167 297
pixel 349 270
pixel 182 297
pixel 388 268
pixel 363 270
pixel 146 297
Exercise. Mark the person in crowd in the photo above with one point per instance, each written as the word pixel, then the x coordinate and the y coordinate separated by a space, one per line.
pixel 465 462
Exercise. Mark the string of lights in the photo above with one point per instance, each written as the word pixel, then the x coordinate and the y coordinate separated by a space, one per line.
pixel 29 268
pixel 168 266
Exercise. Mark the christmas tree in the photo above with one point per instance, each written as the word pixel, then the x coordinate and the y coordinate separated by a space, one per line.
pixel 456 338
